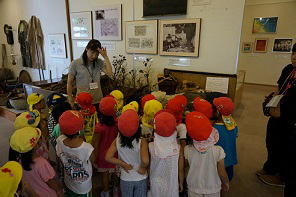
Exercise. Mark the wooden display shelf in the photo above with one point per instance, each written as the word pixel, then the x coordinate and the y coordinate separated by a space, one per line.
pixel 9 114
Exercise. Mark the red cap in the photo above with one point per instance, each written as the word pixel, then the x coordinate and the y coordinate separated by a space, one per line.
pixel 84 100
pixel 128 123
pixel 224 105
pixel 198 126
pixel 182 100
pixel 108 106
pixel 146 98
pixel 203 106
pixel 71 122
pixel 164 110
pixel 176 107
pixel 165 124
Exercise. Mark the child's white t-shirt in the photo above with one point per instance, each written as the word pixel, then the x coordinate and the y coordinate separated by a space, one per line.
pixel 203 175
pixel 132 157
pixel 77 166
pixel 163 174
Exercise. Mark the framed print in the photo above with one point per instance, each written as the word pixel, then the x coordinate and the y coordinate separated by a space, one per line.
pixel 282 45
pixel 81 25
pixel 261 45
pixel 164 7
pixel 247 47
pixel 57 45
pixel 265 25
pixel 141 36
pixel 107 22
pixel 179 37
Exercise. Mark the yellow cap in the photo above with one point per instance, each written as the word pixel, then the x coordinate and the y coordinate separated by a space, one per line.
pixel 25 139
pixel 150 109
pixel 27 119
pixel 33 99
pixel 118 95
pixel 132 105
pixel 10 176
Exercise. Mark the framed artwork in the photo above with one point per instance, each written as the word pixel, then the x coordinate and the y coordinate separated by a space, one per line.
pixel 247 47
pixel 179 37
pixel 282 45
pixel 81 25
pixel 265 25
pixel 141 36
pixel 107 22
pixel 261 45
pixel 57 46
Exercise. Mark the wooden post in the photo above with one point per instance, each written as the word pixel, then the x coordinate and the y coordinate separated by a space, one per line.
pixel 69 29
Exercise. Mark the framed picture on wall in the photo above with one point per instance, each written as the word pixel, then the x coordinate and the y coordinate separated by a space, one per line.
pixel 247 47
pixel 141 36
pixel 81 25
pixel 57 46
pixel 265 25
pixel 261 45
pixel 282 45
pixel 179 37
pixel 107 22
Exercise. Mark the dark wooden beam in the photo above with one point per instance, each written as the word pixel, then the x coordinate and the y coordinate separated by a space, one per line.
pixel 69 28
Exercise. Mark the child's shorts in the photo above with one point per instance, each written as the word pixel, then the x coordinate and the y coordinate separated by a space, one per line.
pixel 193 194
pixel 70 193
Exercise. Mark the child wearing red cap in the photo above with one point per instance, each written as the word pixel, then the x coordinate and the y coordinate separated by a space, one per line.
pixel 133 156
pixel 227 129
pixel 88 110
pixel 205 160
pixel 75 155
pixel 105 133
pixel 166 158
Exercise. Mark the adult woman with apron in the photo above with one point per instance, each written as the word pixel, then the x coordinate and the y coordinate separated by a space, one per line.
pixel 86 71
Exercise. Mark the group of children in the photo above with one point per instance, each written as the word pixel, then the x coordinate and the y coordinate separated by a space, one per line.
pixel 149 147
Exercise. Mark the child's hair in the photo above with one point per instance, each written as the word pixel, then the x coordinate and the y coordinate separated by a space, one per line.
pixel 26 159
pixel 106 120
pixel 128 141
pixel 59 109
pixel 72 136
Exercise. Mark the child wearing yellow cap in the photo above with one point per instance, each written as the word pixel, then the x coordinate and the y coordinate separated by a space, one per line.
pixel 151 107
pixel 36 102
pixel 38 173
pixel 32 119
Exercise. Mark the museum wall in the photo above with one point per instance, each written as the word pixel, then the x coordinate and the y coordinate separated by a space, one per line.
pixel 265 68
pixel 219 38
pixel 52 15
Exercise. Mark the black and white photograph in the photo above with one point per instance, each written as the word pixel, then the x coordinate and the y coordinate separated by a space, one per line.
pixel 283 45
pixel 100 14
pixel 180 37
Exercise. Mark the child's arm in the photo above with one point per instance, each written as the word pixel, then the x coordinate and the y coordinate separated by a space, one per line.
pixel 95 143
pixel 109 157
pixel 53 184
pixel 181 168
pixel 223 175
pixel 144 156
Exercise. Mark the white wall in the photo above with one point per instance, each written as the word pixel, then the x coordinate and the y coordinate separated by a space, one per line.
pixel 220 32
pixel 52 15
pixel 265 68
